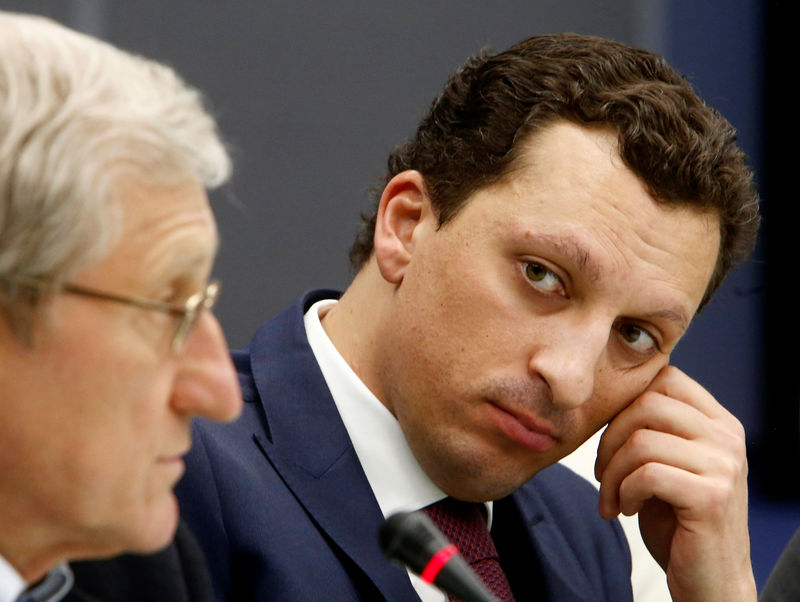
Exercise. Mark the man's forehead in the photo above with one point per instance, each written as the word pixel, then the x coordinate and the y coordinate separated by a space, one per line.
pixel 167 230
pixel 573 196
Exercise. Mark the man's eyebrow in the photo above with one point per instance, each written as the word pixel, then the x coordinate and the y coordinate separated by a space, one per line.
pixel 188 261
pixel 570 247
pixel 676 315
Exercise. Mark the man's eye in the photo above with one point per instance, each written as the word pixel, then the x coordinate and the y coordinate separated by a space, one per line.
pixel 638 338
pixel 543 278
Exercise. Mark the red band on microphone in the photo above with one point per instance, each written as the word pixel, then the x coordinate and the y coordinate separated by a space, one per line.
pixel 436 563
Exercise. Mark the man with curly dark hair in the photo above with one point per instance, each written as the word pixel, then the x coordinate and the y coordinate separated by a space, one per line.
pixel 538 249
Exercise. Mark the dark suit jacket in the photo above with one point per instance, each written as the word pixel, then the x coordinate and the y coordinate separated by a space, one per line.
pixel 175 574
pixel 283 510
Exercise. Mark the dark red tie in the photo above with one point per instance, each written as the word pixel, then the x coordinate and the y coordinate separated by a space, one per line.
pixel 464 524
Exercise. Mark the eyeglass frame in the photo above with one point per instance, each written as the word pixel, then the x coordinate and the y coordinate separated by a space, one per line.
pixel 188 313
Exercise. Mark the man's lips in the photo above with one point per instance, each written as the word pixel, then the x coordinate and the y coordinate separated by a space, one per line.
pixel 523 428
pixel 175 458
pixel 170 458
pixel 174 465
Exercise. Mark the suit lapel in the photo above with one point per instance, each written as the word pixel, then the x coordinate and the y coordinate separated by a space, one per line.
pixel 561 568
pixel 309 447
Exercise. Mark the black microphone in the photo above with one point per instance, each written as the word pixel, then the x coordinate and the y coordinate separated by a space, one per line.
pixel 412 539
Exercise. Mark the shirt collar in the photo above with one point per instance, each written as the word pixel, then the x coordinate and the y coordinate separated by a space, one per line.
pixel 11 582
pixel 393 472
pixel 52 588
pixel 396 478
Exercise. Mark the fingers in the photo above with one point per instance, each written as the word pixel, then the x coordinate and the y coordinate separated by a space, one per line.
pixel 674 424
pixel 655 480
pixel 678 458
pixel 638 465
pixel 697 485
pixel 651 411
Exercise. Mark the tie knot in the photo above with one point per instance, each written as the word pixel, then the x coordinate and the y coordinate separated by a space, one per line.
pixel 464 524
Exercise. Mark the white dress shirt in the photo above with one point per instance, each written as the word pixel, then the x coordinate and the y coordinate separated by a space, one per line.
pixel 52 588
pixel 396 478
pixel 11 582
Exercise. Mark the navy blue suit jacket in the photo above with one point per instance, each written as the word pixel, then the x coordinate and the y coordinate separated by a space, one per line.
pixel 283 510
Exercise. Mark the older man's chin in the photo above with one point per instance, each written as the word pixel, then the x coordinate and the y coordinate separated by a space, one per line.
pixel 150 529
pixel 156 528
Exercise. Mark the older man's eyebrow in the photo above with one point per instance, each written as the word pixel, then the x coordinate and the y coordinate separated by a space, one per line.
pixel 189 260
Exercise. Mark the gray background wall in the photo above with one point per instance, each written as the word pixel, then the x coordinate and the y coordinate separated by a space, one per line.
pixel 313 94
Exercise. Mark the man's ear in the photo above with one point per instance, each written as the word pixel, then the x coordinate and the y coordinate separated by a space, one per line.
pixel 403 206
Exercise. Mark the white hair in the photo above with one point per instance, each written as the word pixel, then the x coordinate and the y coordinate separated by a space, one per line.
pixel 77 116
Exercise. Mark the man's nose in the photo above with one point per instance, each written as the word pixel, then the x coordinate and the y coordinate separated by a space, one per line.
pixel 206 384
pixel 569 360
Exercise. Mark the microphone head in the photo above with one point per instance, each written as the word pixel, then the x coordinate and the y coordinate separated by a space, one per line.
pixel 412 540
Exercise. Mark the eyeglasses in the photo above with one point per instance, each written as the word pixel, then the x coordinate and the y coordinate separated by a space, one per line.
pixel 188 313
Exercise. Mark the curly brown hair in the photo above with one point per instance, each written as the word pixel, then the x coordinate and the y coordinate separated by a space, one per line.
pixel 684 151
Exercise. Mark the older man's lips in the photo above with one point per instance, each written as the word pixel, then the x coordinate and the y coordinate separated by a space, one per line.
pixel 175 463
pixel 523 429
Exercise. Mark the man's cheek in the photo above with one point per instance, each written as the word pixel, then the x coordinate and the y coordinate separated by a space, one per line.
pixel 635 388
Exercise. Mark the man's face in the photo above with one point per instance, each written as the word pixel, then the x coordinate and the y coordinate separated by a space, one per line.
pixel 540 311
pixel 95 417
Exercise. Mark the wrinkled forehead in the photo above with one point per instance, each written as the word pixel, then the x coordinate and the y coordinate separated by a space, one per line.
pixel 164 229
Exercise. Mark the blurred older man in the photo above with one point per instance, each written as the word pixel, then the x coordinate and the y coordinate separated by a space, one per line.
pixel 107 349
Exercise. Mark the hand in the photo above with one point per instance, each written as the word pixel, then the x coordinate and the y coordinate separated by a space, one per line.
pixel 678 458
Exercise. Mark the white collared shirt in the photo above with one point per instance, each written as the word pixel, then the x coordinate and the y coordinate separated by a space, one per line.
pixel 11 582
pixel 52 588
pixel 396 478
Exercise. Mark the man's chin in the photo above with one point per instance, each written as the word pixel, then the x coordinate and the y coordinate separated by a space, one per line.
pixel 158 528
pixel 153 529
pixel 485 485
pixel 149 531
